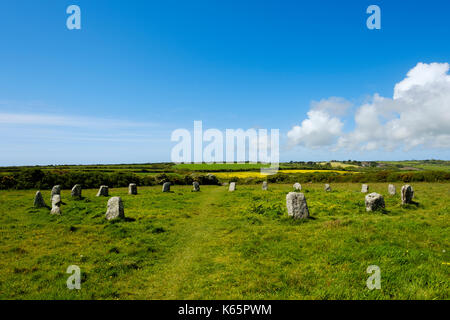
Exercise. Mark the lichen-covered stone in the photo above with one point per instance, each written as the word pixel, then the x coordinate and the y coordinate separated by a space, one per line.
pixel 166 187
pixel 327 187
pixel 76 191
pixel 195 186
pixel 55 190
pixel 297 186
pixel 374 201
pixel 115 209
pixel 264 185
pixel 56 204
pixel 103 191
pixel 365 188
pixel 132 189
pixel 391 189
pixel 232 186
pixel 407 194
pixel 296 205
pixel 39 200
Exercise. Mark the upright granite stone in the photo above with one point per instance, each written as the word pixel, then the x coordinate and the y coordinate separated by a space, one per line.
pixel 297 186
pixel 391 190
pixel 76 191
pixel 365 188
pixel 407 194
pixel 56 204
pixel 374 201
pixel 195 186
pixel 115 209
pixel 296 205
pixel 264 185
pixel 103 191
pixel 166 187
pixel 132 189
pixel 327 187
pixel 55 190
pixel 39 200
pixel 232 186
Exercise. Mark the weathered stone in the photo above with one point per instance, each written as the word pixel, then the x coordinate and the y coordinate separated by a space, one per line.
pixel 76 191
pixel 407 194
pixel 232 186
pixel 264 185
pixel 195 186
pixel 297 186
pixel 365 188
pixel 115 209
pixel 56 204
pixel 391 189
pixel 132 188
pixel 296 205
pixel 39 200
pixel 103 191
pixel 166 187
pixel 374 201
pixel 327 187
pixel 55 190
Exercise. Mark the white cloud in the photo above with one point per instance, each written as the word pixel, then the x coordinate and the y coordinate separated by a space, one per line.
pixel 417 115
pixel 66 121
pixel 335 106
pixel 320 129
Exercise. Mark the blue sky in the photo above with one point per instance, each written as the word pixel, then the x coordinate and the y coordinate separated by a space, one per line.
pixel 114 91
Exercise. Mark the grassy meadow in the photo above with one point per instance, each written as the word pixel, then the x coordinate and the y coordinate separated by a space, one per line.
pixel 217 244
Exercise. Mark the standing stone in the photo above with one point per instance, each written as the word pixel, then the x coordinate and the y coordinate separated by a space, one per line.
pixel 55 190
pixel 39 200
pixel 132 188
pixel 103 191
pixel 296 205
pixel 115 209
pixel 195 186
pixel 407 194
pixel 56 204
pixel 327 187
pixel 391 190
pixel 264 185
pixel 232 186
pixel 76 191
pixel 365 188
pixel 166 187
pixel 297 186
pixel 374 201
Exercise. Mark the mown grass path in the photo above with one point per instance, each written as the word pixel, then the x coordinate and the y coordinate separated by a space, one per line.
pixel 175 279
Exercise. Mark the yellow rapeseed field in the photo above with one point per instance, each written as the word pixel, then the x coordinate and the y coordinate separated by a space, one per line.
pixel 257 174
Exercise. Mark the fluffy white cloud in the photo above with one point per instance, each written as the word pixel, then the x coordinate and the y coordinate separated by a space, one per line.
pixel 335 106
pixel 320 129
pixel 417 115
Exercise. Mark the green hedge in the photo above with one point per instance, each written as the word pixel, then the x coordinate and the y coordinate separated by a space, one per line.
pixel 39 179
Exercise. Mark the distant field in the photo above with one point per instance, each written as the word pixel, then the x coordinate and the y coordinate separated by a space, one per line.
pixel 219 166
pixel 335 164
pixel 217 244
pixel 441 166
pixel 257 174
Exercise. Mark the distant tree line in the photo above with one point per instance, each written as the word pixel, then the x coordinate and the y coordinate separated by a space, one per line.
pixel 39 179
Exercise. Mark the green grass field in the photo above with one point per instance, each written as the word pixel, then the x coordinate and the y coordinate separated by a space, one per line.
pixel 221 245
